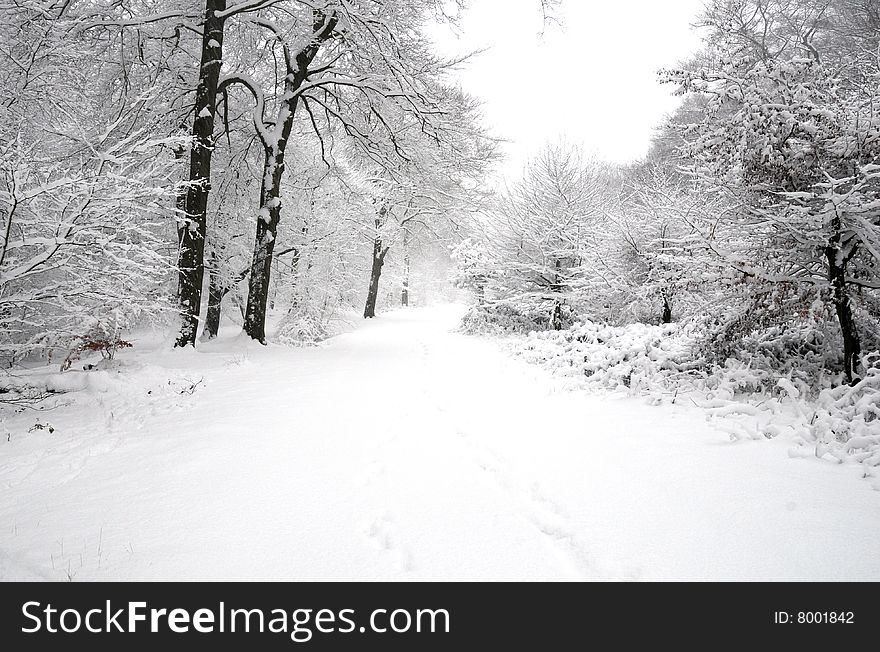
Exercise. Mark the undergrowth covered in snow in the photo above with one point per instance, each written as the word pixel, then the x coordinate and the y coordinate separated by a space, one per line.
pixel 504 317
pixel 761 391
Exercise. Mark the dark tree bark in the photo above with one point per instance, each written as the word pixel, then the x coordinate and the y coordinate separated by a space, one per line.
pixel 556 287
pixel 217 289
pixel 556 318
pixel 192 230
pixel 375 273
pixel 294 275
pixel 264 246
pixel 666 317
pixel 216 292
pixel 404 293
pixel 273 172
pixel 852 347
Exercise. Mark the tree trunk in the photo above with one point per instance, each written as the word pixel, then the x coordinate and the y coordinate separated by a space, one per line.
pixel 556 320
pixel 556 287
pixel 294 276
pixel 264 246
pixel 216 292
pixel 837 276
pixel 481 292
pixel 300 293
pixel 375 273
pixel 218 288
pixel 404 293
pixel 192 231
pixel 666 317
pixel 273 172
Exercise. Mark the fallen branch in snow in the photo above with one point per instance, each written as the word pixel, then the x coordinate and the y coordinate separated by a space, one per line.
pixel 25 396
pixel 193 386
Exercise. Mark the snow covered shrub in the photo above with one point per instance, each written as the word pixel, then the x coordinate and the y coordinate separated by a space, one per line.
pixel 846 422
pixel 102 338
pixel 508 317
pixel 611 356
pixel 787 331
pixel 784 336
pixel 303 327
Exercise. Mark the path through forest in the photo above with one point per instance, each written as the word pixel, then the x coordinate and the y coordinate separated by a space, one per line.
pixel 405 450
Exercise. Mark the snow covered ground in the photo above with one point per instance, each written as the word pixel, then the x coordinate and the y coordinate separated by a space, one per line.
pixel 404 450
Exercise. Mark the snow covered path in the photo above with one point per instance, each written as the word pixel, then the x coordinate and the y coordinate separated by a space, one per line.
pixel 403 450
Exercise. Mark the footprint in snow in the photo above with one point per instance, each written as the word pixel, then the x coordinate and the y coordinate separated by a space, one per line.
pixel 381 533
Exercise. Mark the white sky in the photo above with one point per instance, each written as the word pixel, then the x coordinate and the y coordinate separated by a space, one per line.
pixel 592 81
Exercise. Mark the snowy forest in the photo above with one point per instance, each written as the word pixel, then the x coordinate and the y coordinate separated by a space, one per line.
pixel 262 248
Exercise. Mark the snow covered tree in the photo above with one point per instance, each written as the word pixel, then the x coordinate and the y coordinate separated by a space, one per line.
pixel 792 142
pixel 353 67
pixel 321 273
pixel 236 173
pixel 654 269
pixel 430 189
pixel 474 266
pixel 543 233
pixel 192 226
pixel 86 180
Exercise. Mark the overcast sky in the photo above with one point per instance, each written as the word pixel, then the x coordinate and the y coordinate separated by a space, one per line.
pixel 591 81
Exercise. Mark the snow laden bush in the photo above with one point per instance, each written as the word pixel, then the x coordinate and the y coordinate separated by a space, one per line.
pixel 522 315
pixel 304 326
pixel 103 338
pixel 473 263
pixel 805 348
pixel 606 356
pixel 846 421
